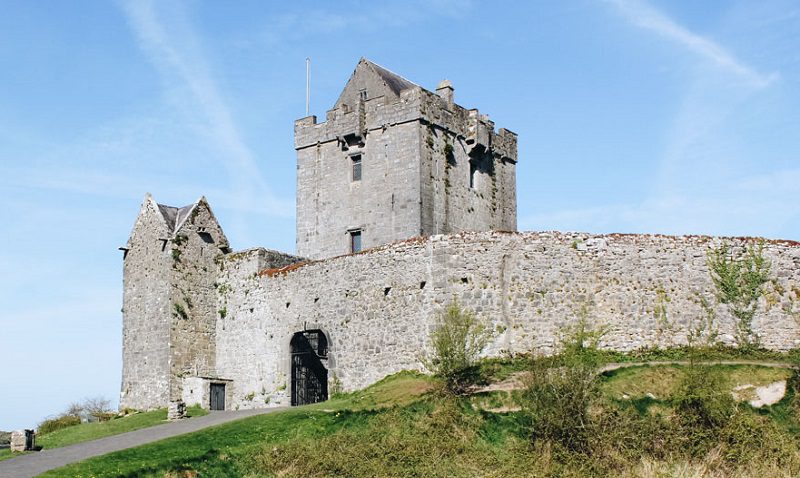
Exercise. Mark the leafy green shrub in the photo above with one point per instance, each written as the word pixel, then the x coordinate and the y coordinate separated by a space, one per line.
pixel 703 407
pixel 793 387
pixel 625 432
pixel 54 424
pixel 557 401
pixel 457 341
pixel 747 437
pixel 562 389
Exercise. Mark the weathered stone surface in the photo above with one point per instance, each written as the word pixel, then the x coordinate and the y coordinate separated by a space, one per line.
pixel 176 410
pixel 23 440
pixel 428 166
pixel 378 307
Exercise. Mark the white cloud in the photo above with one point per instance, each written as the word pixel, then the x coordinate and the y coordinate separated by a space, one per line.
pixel 645 16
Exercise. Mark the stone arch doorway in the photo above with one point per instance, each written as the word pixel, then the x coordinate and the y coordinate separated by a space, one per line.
pixel 309 350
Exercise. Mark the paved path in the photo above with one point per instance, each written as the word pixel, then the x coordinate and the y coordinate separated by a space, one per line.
pixel 32 464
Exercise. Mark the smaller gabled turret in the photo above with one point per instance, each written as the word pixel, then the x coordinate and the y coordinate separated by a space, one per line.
pixel 169 301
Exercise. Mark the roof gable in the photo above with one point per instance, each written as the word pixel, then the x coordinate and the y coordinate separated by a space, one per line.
pixel 376 81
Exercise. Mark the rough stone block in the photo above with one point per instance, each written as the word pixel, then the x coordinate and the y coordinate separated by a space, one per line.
pixel 23 440
pixel 176 410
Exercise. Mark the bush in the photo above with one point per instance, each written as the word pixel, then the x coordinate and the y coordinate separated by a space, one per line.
pixel 457 341
pixel 557 401
pixel 561 390
pixel 54 424
pixel 703 407
pixel 91 409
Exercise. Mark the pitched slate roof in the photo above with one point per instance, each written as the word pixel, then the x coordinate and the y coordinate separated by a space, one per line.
pixel 394 81
pixel 175 215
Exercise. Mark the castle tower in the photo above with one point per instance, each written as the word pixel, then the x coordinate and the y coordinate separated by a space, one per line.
pixel 169 301
pixel 393 161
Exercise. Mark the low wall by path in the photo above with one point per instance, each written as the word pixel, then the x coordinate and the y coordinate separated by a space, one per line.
pixel 378 307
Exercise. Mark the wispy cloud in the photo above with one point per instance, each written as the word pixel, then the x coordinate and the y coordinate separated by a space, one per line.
pixel 645 16
pixel 760 203
pixel 167 37
pixel 375 17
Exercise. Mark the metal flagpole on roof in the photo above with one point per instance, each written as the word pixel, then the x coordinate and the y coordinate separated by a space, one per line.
pixel 308 83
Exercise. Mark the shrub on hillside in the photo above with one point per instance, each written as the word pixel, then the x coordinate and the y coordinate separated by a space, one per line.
pixel 703 407
pixel 91 409
pixel 561 390
pixel 59 423
pixel 457 341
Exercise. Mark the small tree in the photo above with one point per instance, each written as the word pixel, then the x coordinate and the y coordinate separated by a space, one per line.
pixel 739 282
pixel 457 341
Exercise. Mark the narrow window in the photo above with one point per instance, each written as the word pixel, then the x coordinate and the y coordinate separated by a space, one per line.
pixel 206 237
pixel 355 241
pixel 362 93
pixel 472 169
pixel 356 159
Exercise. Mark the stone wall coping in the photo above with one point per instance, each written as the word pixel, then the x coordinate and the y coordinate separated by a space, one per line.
pixel 620 238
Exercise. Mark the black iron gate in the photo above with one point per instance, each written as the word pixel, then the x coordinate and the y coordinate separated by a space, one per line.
pixel 309 375
pixel 217 396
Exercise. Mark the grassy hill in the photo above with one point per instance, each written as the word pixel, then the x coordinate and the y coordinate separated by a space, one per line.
pixel 92 431
pixel 640 422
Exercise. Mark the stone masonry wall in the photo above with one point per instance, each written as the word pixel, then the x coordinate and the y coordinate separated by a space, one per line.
pixel 378 307
pixel 450 203
pixel 416 153
pixel 384 204
pixel 195 252
pixel 146 306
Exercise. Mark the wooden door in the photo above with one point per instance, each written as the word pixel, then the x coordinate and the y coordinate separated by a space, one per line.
pixel 218 396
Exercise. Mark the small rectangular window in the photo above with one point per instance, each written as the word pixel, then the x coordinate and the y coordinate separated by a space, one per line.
pixel 355 241
pixel 356 159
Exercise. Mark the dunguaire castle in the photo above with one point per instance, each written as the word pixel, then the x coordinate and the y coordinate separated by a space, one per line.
pixel 406 201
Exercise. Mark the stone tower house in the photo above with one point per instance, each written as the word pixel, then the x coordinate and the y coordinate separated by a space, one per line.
pixel 170 266
pixel 394 161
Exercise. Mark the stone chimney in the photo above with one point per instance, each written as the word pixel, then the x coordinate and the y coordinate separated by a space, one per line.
pixel 445 90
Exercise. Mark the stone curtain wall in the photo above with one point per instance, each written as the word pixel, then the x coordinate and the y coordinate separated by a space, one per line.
pixel 378 307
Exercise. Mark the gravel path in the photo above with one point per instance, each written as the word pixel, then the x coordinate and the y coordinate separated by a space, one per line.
pixel 32 464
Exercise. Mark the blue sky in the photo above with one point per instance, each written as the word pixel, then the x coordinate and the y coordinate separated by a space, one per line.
pixel 633 116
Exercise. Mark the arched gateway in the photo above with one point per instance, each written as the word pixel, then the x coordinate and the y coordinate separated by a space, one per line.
pixel 309 373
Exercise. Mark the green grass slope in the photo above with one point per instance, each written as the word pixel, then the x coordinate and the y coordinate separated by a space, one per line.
pixel 93 431
pixel 402 427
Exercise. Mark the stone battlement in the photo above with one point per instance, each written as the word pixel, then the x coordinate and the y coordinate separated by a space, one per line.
pixel 416 104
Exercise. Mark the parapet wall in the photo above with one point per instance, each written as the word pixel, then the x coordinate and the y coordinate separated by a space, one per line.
pixel 378 307
pixel 414 104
